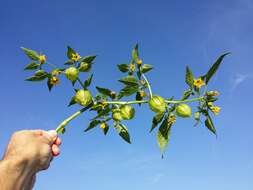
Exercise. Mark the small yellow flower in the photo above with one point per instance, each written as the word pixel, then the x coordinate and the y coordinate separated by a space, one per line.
pixel 215 110
pixel 142 93
pixel 54 81
pixel 75 57
pixel 103 125
pixel 198 83
pixel 171 119
pixel 139 62
pixel 210 104
pixel 132 67
pixel 104 104
pixel 42 59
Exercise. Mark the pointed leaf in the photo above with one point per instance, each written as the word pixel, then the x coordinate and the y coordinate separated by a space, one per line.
pixel 127 91
pixel 104 91
pixel 123 67
pixel 146 67
pixel 70 51
pixel 209 124
pixel 72 101
pixel 38 76
pixel 129 80
pixel 123 132
pixel 214 67
pixel 156 120
pixel 163 135
pixel 135 53
pixel 189 78
pixel 32 66
pixel 31 53
pixel 49 85
pixel 92 124
pixel 88 59
pixel 87 82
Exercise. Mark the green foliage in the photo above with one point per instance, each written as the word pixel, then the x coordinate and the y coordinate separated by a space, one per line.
pixel 110 110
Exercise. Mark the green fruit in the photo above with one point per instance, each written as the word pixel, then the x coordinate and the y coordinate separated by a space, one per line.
pixel 84 67
pixel 157 104
pixel 71 73
pixel 183 110
pixel 127 112
pixel 83 97
pixel 116 115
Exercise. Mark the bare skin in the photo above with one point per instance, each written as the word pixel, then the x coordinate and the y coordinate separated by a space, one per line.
pixel 27 153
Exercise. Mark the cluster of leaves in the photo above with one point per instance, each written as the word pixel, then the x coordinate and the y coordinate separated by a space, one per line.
pixel 111 111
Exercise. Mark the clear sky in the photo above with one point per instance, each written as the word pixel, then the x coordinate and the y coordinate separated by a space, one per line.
pixel 171 34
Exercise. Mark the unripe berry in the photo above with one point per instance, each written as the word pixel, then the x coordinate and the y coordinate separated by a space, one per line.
pixel 116 115
pixel 157 104
pixel 71 73
pixel 127 112
pixel 83 97
pixel 183 110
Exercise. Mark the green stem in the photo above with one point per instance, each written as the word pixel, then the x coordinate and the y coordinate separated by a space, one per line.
pixel 149 87
pixel 79 80
pixel 66 121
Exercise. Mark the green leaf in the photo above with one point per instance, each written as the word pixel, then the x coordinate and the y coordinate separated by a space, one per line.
pixel 49 85
pixel 186 94
pixel 189 78
pixel 32 66
pixel 123 67
pixel 87 82
pixel 88 59
pixel 70 51
pixel 123 132
pixel 209 124
pixel 104 91
pixel 106 129
pixel 214 68
pixel 135 53
pixel 156 120
pixel 146 67
pixel 127 91
pixel 92 124
pixel 163 135
pixel 69 62
pixel 129 80
pixel 38 76
pixel 72 101
pixel 31 53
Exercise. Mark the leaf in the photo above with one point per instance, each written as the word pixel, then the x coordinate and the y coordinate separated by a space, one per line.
pixel 156 120
pixel 214 68
pixel 209 124
pixel 104 91
pixel 135 53
pixel 38 76
pixel 129 80
pixel 31 53
pixel 69 62
pixel 92 124
pixel 123 67
pixel 127 91
pixel 32 66
pixel 106 129
pixel 163 135
pixel 70 51
pixel 123 132
pixel 189 78
pixel 72 101
pixel 88 59
pixel 49 85
pixel 186 94
pixel 87 82
pixel 146 67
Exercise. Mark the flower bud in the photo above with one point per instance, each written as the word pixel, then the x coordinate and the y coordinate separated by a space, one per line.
pixel 197 116
pixel 42 59
pixel 127 112
pixel 54 80
pixel 83 97
pixel 71 73
pixel 103 125
pixel 142 93
pixel 132 67
pixel 183 110
pixel 213 93
pixel 116 115
pixel 157 104
pixel 139 62
pixel 84 67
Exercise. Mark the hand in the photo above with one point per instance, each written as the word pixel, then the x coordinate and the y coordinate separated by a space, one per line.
pixel 30 152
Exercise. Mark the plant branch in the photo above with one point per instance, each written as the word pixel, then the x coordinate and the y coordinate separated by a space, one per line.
pixel 149 87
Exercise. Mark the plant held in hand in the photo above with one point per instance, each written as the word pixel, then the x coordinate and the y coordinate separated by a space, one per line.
pixel 111 111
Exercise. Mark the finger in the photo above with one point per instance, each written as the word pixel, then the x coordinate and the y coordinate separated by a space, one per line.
pixel 31 183
pixel 53 134
pixel 50 136
pixel 55 150
pixel 58 141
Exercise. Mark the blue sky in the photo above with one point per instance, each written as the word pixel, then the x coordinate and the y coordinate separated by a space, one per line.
pixel 171 34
